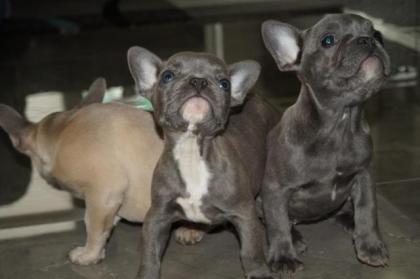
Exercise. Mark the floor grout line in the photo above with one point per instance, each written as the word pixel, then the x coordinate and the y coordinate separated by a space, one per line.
pixel 407 180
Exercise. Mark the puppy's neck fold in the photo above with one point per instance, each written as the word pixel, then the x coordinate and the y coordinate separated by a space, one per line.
pixel 318 113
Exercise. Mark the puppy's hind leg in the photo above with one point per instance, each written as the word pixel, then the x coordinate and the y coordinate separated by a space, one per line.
pixel 101 209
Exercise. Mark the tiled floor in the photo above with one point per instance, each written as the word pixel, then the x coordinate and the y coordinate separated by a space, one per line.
pixel 330 254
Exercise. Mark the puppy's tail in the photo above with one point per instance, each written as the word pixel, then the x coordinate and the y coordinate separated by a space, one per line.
pixel 16 126
pixel 95 94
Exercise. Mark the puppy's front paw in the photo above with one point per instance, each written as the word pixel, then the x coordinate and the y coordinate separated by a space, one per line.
pixel 371 250
pixel 286 264
pixel 84 256
pixel 186 236
pixel 282 260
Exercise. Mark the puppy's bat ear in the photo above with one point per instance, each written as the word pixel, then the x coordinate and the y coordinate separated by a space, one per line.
pixel 243 76
pixel 284 42
pixel 15 126
pixel 144 67
pixel 95 94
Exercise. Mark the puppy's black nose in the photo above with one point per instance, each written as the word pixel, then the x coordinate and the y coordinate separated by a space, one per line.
pixel 199 83
pixel 367 41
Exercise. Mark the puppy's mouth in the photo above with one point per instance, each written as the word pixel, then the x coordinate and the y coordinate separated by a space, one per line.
pixel 372 65
pixel 195 109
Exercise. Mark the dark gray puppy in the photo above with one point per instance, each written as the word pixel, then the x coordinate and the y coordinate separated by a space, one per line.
pixel 319 153
pixel 206 174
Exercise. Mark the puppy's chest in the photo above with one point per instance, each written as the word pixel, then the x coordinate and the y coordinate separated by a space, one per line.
pixel 195 175
pixel 353 153
pixel 341 153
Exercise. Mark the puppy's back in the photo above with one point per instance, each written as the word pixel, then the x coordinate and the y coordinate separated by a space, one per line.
pixel 114 146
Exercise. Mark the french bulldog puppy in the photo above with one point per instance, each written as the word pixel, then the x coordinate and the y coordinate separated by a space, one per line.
pixel 103 153
pixel 212 165
pixel 320 151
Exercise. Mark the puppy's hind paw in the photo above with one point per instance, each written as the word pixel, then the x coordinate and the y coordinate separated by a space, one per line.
pixel 371 252
pixel 187 236
pixel 83 256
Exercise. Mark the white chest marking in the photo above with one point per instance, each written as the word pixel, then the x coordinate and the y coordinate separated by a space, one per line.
pixel 195 174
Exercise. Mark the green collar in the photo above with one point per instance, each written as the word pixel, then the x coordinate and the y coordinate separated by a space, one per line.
pixel 137 101
pixel 141 102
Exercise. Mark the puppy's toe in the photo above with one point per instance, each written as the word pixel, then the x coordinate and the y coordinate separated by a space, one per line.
pixel 372 252
pixel 290 265
pixel 84 256
pixel 286 264
pixel 283 257
pixel 186 236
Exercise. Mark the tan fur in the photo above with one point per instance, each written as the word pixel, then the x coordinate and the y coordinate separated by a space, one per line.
pixel 104 153
pixel 188 236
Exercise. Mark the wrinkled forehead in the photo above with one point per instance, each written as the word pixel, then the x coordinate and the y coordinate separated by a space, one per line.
pixel 197 64
pixel 342 24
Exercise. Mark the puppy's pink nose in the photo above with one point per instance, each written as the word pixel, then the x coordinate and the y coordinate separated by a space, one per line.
pixel 199 83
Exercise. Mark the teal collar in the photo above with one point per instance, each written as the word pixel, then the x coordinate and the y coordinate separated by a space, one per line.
pixel 141 102
pixel 137 101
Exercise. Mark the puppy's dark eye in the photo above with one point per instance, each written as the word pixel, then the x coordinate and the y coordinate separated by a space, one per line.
pixel 224 84
pixel 328 41
pixel 167 76
pixel 378 36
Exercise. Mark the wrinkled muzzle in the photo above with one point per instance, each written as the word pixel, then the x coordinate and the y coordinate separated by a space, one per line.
pixel 365 56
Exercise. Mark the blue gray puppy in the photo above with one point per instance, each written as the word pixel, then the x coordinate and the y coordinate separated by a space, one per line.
pixel 210 170
pixel 319 153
